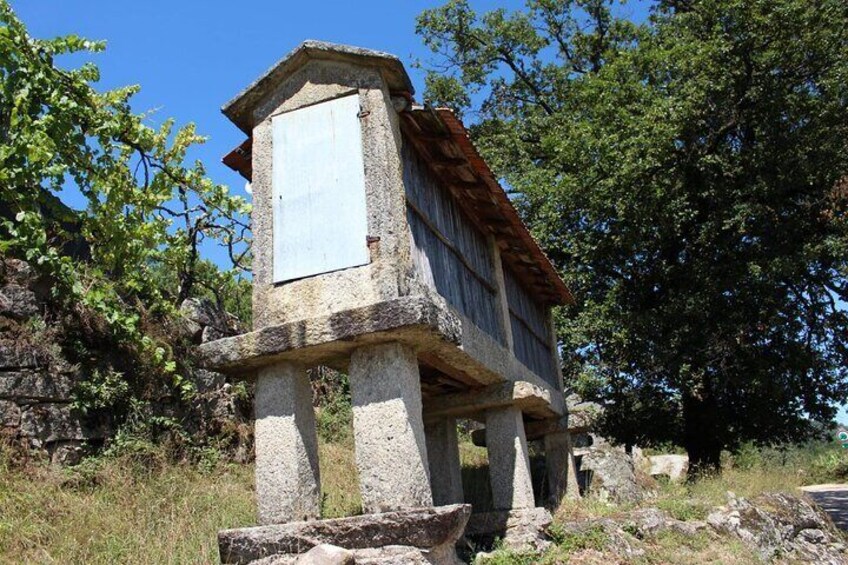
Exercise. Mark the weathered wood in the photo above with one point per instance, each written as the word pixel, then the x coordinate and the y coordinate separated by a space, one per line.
pixel 531 333
pixel 450 254
pixel 320 218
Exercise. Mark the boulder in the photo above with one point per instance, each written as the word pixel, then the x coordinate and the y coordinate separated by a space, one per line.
pixel 18 302
pixel 674 467
pixel 422 528
pixel 26 386
pixel 326 554
pixel 582 417
pixel 613 475
pixel 781 525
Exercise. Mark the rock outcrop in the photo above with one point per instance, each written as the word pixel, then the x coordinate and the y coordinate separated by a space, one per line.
pixel 40 386
pixel 612 474
pixel 624 535
pixel 776 527
pixel 781 525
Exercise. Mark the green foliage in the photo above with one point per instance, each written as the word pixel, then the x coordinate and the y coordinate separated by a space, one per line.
pixel 831 466
pixel 688 178
pixel 103 390
pixel 334 420
pixel 121 266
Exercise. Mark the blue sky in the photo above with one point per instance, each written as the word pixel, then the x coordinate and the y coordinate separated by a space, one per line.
pixel 191 56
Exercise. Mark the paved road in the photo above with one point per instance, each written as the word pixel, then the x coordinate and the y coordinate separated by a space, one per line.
pixel 833 499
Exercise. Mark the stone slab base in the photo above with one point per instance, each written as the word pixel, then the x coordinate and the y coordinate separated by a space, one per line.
pixel 431 532
pixel 520 529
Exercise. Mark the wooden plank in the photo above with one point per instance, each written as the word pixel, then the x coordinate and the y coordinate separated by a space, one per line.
pixel 449 244
pixel 320 221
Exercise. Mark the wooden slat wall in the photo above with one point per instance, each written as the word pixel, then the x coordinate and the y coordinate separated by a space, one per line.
pixel 531 334
pixel 448 250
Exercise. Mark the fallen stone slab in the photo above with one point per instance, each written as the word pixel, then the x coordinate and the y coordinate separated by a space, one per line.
pixel 521 529
pixel 421 528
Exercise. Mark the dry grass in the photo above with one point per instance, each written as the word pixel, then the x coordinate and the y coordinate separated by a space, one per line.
pixel 142 510
pixel 339 480
pixel 672 547
pixel 145 510
pixel 120 514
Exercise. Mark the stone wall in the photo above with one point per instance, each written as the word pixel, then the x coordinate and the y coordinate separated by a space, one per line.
pixel 38 384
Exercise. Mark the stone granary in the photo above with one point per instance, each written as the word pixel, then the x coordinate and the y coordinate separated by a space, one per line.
pixel 384 247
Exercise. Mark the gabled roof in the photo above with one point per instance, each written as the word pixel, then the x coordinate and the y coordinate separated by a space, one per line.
pixel 240 109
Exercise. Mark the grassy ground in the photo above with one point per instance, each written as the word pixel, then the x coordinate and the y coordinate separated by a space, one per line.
pixel 120 513
pixel 141 509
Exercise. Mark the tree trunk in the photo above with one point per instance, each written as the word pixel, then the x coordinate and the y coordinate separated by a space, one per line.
pixel 702 435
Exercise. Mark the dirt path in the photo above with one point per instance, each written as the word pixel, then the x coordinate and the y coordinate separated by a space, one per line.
pixel 833 499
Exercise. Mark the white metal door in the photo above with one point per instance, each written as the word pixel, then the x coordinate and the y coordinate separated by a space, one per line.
pixel 320 219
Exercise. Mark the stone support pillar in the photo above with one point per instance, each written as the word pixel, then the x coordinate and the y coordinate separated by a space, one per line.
pixel 287 478
pixel 443 454
pixel 559 461
pixel 509 460
pixel 388 430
